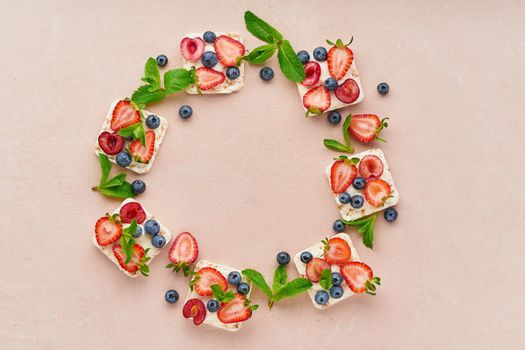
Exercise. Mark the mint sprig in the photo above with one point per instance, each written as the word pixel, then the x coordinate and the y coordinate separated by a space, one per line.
pixel 326 279
pixel 220 295
pixel 365 226
pixel 127 241
pixel 136 131
pixel 117 186
pixel 337 146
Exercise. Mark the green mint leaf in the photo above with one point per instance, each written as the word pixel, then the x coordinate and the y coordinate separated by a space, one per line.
pixel 144 96
pixel 122 191
pixel 260 29
pixel 105 167
pixel 260 54
pixel 337 146
pixel 151 74
pixel 279 278
pixel 294 287
pixel 346 135
pixel 365 226
pixel 177 80
pixel 127 241
pixel 258 279
pixel 115 181
pixel 140 134
pixel 128 131
pixel 326 279
pixel 217 292
pixel 291 66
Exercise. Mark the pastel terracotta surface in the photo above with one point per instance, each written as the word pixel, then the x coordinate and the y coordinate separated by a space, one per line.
pixel 246 174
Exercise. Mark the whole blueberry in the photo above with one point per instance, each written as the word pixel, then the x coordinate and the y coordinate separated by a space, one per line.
pixel 209 37
pixel 234 278
pixel 266 73
pixel 212 305
pixel 320 53
pixel 336 292
pixel 306 257
pixel 338 226
pixel 337 278
pixel 243 288
pixel 138 186
pixel 185 111
pixel 209 59
pixel 158 241
pixel 233 73
pixel 390 214
pixel 303 56
pixel 283 258
pixel 383 88
pixel 162 60
pixel 152 121
pixel 334 117
pixel 152 227
pixel 357 201
pixel 345 198
pixel 321 297
pixel 172 296
pixel 123 159
pixel 330 84
pixel 138 233
pixel 359 183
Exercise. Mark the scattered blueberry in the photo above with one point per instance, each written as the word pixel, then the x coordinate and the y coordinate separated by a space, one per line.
pixel 243 288
pixel 337 278
pixel 185 111
pixel 383 88
pixel 162 60
pixel 212 305
pixel 209 37
pixel 266 73
pixel 123 159
pixel 359 183
pixel 209 59
pixel 283 258
pixel 321 297
pixel 234 278
pixel 138 186
pixel 152 121
pixel 303 56
pixel 320 53
pixel 233 73
pixel 345 198
pixel 334 117
pixel 138 233
pixel 152 227
pixel 330 84
pixel 336 292
pixel 306 257
pixel 158 241
pixel 390 214
pixel 357 201
pixel 338 226
pixel 171 296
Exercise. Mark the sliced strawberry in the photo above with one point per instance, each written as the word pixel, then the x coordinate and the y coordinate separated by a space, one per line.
pixel 359 277
pixel 342 173
pixel 348 91
pixel 366 127
pixel 111 143
pixel 192 49
pixel 339 59
pixel 139 152
pixel 124 115
pixel 184 249
pixel 236 310
pixel 195 309
pixel 134 264
pixel 313 73
pixel 376 192
pixel 130 211
pixel 370 167
pixel 107 230
pixel 314 268
pixel 317 100
pixel 208 78
pixel 228 50
pixel 337 251
pixel 205 278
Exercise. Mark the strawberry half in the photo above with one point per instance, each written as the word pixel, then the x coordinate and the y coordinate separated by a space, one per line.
pixel 235 310
pixel 205 278
pixel 366 127
pixel 139 152
pixel 107 230
pixel 313 73
pixel 194 308
pixel 377 192
pixel 228 50
pixel 192 49
pixel 342 173
pixel 130 211
pixel 370 167
pixel 111 143
pixel 337 251
pixel 348 91
pixel 124 115
pixel 314 268
pixel 208 78
pixel 134 264
pixel 359 277
pixel 339 59
pixel 183 252
pixel 317 100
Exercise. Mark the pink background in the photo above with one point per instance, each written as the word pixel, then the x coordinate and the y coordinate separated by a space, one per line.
pixel 245 174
